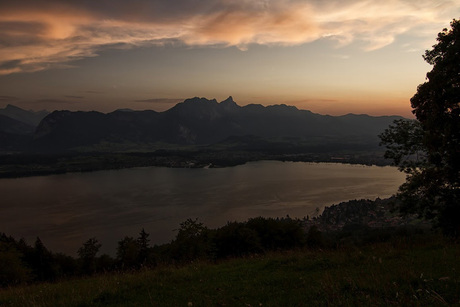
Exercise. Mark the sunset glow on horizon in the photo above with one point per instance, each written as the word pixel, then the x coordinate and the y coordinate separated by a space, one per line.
pixel 330 57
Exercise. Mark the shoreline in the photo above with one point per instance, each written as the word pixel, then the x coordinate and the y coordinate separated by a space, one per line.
pixel 39 164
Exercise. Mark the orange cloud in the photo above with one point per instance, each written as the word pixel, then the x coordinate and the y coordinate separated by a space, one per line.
pixel 37 35
pixel 238 27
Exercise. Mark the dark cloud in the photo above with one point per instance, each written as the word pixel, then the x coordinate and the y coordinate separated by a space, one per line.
pixel 10 64
pixel 16 34
pixel 8 98
pixel 93 92
pixel 55 101
pixel 74 97
pixel 22 27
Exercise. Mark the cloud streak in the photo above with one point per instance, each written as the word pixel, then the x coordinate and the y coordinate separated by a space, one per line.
pixel 55 101
pixel 38 35
pixel 160 100
pixel 8 98
pixel 74 97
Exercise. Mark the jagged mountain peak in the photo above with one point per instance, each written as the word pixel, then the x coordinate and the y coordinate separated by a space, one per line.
pixel 203 121
pixel 229 104
pixel 203 108
pixel 199 100
pixel 228 100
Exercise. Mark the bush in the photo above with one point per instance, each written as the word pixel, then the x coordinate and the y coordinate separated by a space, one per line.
pixel 12 269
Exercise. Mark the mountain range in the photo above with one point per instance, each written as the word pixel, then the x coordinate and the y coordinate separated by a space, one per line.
pixel 196 121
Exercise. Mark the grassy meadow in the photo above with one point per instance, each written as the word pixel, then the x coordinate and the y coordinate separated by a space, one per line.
pixel 403 272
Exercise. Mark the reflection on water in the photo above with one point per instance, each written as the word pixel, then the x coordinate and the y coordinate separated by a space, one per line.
pixel 66 210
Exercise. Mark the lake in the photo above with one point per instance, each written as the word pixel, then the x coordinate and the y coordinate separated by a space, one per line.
pixel 66 210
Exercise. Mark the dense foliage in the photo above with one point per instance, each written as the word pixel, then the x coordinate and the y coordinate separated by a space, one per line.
pixel 432 188
pixel 20 262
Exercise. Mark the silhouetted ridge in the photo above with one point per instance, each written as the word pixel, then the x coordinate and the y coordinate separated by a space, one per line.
pixel 229 105
pixel 203 121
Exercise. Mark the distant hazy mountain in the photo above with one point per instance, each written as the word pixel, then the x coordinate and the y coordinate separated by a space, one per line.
pixel 17 127
pixel 203 121
pixel 13 126
pixel 30 118
pixel 14 135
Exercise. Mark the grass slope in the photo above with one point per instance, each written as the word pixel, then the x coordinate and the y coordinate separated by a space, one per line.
pixel 402 272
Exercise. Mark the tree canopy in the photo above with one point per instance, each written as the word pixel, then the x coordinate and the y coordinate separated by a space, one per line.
pixel 432 187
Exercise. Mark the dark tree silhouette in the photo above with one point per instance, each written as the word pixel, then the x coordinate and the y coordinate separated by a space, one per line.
pixel 87 255
pixel 432 187
pixel 12 268
pixel 43 266
pixel 143 242
pixel 191 241
pixel 128 253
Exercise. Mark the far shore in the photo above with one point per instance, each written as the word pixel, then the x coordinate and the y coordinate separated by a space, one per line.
pixel 43 164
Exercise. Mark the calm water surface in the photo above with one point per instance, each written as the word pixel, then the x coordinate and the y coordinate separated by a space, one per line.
pixel 66 210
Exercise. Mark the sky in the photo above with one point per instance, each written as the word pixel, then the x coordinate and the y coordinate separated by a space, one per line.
pixel 331 57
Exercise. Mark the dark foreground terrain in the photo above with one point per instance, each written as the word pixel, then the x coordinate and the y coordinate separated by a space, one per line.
pixel 355 253
pixel 405 271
